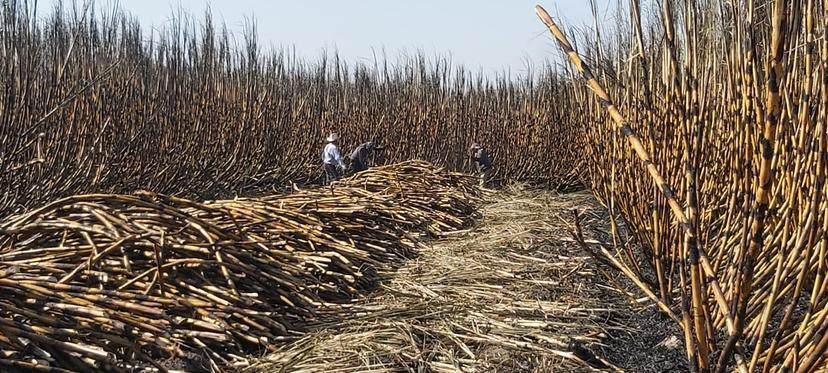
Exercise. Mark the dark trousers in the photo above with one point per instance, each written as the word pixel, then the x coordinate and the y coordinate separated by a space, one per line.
pixel 357 166
pixel 484 173
pixel 330 174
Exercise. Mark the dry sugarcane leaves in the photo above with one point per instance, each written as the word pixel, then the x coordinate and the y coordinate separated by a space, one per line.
pixel 151 280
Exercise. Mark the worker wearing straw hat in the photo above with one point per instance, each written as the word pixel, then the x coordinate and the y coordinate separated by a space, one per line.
pixel 360 155
pixel 482 161
pixel 331 159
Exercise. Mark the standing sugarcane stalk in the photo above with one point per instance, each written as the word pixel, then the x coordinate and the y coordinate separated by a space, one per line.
pixel 643 155
pixel 693 254
pixel 767 141
pixel 714 116
pixel 816 199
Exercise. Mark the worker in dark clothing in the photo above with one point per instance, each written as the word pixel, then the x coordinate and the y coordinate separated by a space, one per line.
pixel 360 155
pixel 482 162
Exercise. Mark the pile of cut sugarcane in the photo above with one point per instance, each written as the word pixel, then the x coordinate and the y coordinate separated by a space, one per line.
pixel 150 281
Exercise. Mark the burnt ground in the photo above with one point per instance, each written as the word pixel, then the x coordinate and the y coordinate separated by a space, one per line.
pixel 656 342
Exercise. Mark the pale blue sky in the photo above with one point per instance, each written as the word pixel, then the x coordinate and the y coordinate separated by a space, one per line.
pixel 488 35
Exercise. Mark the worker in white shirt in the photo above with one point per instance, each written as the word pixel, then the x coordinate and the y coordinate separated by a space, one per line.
pixel 331 159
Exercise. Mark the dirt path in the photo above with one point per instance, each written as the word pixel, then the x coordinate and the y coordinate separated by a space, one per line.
pixel 513 294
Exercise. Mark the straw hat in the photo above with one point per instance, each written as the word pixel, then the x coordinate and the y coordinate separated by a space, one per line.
pixel 332 137
pixel 475 146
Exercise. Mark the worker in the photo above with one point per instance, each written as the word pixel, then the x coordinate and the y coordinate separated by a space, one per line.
pixel 482 161
pixel 360 155
pixel 331 159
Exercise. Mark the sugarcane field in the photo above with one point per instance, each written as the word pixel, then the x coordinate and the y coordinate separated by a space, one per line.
pixel 426 186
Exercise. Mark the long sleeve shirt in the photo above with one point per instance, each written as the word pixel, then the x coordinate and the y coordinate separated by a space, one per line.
pixel 330 156
pixel 362 152
pixel 482 160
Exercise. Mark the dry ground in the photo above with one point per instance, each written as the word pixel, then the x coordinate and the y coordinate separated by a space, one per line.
pixel 513 294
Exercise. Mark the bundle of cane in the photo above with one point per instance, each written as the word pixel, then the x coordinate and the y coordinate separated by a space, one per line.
pixel 118 281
